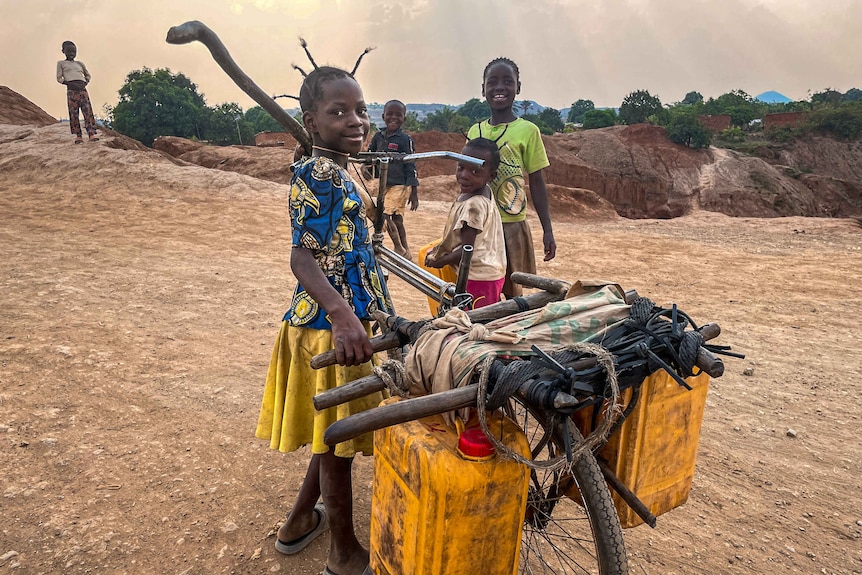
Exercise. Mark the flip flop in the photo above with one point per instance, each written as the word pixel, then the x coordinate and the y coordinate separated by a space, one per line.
pixel 297 545
pixel 328 571
pixel 79 141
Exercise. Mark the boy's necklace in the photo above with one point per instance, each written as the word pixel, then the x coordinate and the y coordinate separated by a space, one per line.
pixel 322 149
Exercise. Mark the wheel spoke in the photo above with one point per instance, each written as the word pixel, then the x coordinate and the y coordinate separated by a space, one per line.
pixel 560 536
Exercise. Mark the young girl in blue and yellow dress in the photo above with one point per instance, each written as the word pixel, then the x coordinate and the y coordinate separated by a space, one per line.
pixel 522 153
pixel 337 291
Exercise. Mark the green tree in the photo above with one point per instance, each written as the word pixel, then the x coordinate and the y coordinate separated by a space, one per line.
pixel 551 118
pixel 732 135
pixel 225 125
pixel 827 96
pixel 158 103
pixel 740 116
pixel 599 119
pixel 638 106
pixel 844 121
pixel 446 120
pixel 723 103
pixel 798 106
pixel 524 105
pixel 686 129
pixel 692 98
pixel 475 109
pixel 741 107
pixel 852 95
pixel 411 122
pixel 261 121
pixel 578 109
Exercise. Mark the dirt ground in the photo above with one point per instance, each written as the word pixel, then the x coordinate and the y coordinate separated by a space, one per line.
pixel 140 300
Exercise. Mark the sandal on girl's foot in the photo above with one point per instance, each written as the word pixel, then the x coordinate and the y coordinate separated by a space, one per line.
pixel 94 139
pixel 297 545
pixel 328 571
pixel 79 140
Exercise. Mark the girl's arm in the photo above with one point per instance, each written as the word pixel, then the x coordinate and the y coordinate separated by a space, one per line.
pixel 539 194
pixel 349 337
pixel 468 238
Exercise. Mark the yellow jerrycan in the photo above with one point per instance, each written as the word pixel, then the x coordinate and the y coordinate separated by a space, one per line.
pixel 443 502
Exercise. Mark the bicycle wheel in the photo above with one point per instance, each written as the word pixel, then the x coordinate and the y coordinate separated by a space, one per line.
pixel 571 524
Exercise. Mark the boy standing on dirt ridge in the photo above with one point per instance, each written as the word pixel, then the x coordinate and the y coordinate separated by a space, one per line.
pixel 402 180
pixel 74 75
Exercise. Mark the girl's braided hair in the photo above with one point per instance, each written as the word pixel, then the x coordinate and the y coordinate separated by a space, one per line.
pixel 489 146
pixel 502 60
pixel 312 86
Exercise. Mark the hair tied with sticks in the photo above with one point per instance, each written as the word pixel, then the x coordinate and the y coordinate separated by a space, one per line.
pixel 358 60
pixel 304 44
pixel 274 97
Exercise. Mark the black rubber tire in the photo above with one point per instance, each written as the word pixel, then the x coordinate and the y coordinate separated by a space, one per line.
pixel 561 534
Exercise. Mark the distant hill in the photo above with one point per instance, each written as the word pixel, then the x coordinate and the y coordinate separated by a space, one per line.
pixel 772 97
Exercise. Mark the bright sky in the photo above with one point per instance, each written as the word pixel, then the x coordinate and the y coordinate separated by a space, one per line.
pixel 434 51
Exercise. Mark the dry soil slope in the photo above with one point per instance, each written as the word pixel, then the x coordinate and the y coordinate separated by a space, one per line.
pixel 637 170
pixel 645 175
pixel 16 109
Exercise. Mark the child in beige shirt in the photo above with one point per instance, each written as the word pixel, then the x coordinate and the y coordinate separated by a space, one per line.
pixel 475 220
pixel 75 76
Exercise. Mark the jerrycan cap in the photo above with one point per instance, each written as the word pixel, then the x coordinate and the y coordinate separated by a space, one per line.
pixel 473 445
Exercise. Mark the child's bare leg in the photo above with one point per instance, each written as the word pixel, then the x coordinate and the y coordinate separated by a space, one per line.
pixel 398 220
pixel 394 234
pixel 346 555
pixel 302 517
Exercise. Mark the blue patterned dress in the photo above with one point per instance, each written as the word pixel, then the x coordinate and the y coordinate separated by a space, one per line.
pixel 327 217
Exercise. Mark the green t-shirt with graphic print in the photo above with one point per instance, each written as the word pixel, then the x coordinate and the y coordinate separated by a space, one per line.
pixel 521 153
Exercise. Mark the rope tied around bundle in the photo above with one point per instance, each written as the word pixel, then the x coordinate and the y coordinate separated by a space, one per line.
pixel 516 372
pixel 391 371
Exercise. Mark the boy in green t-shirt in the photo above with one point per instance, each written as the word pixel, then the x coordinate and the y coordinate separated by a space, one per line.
pixel 521 152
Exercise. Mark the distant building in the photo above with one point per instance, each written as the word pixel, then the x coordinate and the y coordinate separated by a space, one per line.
pixel 715 122
pixel 782 119
pixel 273 139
